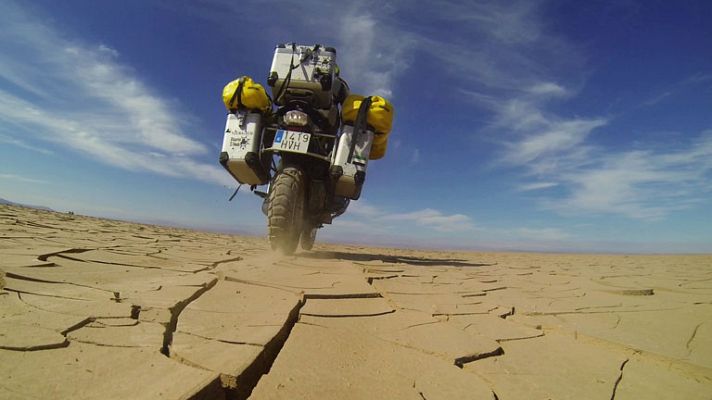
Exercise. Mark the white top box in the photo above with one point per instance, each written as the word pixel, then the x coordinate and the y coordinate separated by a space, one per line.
pixel 303 72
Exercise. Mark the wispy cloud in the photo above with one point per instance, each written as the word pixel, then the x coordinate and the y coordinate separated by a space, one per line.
pixel 429 227
pixel 498 46
pixel 501 68
pixel 23 144
pixel 537 186
pixel 636 183
pixel 372 51
pixel 548 89
pixel 428 218
pixel 363 209
pixel 20 178
pixel 640 183
pixel 657 98
pixel 674 89
pixel 434 219
pixel 85 99
pixel 553 139
pixel 371 54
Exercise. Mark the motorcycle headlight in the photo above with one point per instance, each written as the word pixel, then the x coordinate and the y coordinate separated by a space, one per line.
pixel 296 118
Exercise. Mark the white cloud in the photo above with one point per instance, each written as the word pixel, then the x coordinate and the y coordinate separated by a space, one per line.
pixel 554 150
pixel 363 209
pixel 638 183
pixel 642 184
pixel 558 137
pixel 508 23
pixel 371 54
pixel 559 151
pixel 365 213
pixel 432 228
pixel 434 219
pixel 540 142
pixel 537 186
pixel 22 144
pixel 84 99
pixel 21 178
pixel 657 99
pixel 671 90
pixel 495 48
pixel 548 89
pixel 108 50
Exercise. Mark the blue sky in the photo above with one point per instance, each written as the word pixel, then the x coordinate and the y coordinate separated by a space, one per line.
pixel 527 125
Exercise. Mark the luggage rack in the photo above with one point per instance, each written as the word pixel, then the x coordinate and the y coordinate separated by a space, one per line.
pixel 315 155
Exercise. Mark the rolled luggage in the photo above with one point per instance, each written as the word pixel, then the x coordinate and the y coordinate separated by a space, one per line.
pixel 245 94
pixel 379 146
pixel 380 118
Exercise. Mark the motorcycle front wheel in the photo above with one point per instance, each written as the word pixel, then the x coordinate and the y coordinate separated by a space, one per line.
pixel 285 212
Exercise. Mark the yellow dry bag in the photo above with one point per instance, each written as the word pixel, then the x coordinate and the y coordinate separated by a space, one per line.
pixel 244 93
pixel 380 117
pixel 380 114
pixel 378 148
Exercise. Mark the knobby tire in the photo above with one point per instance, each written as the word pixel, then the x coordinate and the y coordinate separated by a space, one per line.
pixel 285 211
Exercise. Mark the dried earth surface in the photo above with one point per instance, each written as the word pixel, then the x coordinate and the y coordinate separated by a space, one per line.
pixel 93 308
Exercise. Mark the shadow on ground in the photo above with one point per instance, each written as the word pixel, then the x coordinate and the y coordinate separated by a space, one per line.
pixel 365 257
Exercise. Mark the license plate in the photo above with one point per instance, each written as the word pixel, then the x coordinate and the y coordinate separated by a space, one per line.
pixel 297 142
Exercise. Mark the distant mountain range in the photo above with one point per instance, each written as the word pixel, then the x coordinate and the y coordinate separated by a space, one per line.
pixel 11 203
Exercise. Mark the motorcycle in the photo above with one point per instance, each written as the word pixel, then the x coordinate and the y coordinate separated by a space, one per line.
pixel 312 151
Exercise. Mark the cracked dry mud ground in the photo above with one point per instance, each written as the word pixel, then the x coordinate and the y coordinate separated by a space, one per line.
pixel 93 308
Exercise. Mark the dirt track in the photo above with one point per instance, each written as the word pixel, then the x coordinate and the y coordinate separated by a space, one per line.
pixel 93 308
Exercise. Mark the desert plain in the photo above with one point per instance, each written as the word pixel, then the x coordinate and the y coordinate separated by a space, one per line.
pixel 94 308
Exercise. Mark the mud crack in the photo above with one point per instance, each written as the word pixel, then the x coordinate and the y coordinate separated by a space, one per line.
pixel 175 313
pixel 44 257
pixel 250 377
pixel 620 378
pixel 692 337
pixel 460 362
pixel 507 314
